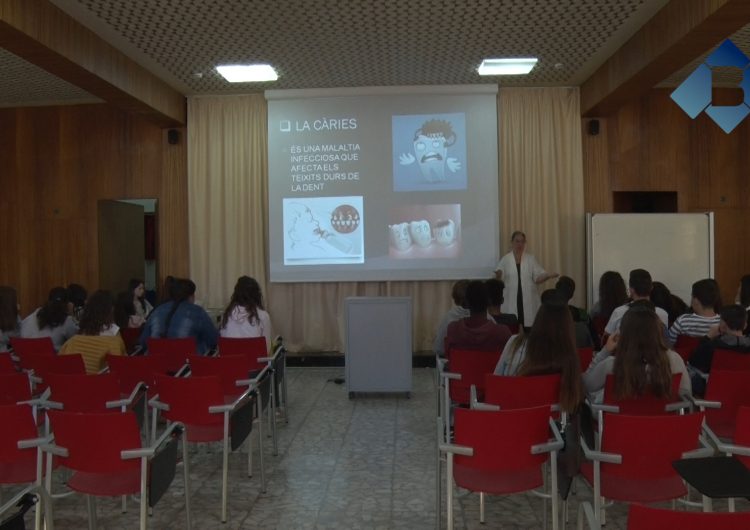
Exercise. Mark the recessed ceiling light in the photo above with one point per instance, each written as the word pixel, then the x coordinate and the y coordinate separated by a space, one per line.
pixel 247 73
pixel 516 66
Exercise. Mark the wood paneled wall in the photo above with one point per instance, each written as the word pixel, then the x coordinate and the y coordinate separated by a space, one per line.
pixel 55 164
pixel 650 144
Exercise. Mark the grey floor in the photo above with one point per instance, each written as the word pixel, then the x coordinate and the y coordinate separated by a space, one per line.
pixel 342 464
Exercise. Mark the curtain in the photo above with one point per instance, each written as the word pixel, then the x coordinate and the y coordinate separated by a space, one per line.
pixel 540 191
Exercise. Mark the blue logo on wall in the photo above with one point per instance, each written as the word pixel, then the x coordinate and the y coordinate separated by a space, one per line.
pixel 694 94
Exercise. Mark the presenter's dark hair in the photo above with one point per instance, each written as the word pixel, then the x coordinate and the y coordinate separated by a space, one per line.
pixel 247 294
pixel 517 233
pixel 8 308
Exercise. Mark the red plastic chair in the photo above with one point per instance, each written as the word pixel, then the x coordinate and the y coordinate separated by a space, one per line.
pixel 471 367
pixel 131 337
pixel 230 369
pixel 7 366
pixel 253 348
pixel 501 452
pixel 14 387
pixel 522 391
pixel 726 392
pixel 685 345
pixel 172 352
pixel 41 345
pixel 105 453
pixel 86 393
pixel 198 403
pixel 44 365
pixel 646 518
pixel 585 355
pixel 643 405
pixel 635 461
pixel 730 360
pixel 19 465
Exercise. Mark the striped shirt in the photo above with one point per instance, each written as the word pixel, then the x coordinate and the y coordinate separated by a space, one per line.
pixel 692 325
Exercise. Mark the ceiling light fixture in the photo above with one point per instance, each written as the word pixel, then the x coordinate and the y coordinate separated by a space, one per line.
pixel 247 73
pixel 517 66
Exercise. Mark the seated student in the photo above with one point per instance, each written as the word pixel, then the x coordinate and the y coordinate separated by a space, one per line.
pixel 638 358
pixel 743 295
pixel 477 332
pixel 125 312
pixel 97 335
pixel 457 312
pixel 495 290
pixel 704 298
pixel 52 320
pixel 10 322
pixel 77 295
pixel 640 286
pixel 181 317
pixel 672 304
pixel 245 317
pixel 584 329
pixel 548 348
pixel 727 335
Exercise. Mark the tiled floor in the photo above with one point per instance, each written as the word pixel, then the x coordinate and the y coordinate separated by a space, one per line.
pixel 342 464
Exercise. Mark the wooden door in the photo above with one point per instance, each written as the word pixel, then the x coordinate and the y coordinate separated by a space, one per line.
pixel 121 244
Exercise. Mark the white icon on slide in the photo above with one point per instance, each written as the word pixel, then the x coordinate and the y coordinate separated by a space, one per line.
pixel 285 125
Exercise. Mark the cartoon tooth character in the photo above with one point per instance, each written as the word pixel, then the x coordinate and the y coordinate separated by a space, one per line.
pixel 431 143
pixel 399 236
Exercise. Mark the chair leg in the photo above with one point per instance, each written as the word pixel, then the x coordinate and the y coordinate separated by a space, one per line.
pixel 124 504
pixel 250 455
pixel 225 469
pixel 260 447
pixel 449 492
pixel 91 508
pixel 438 493
pixel 481 507
pixel 186 472
pixel 144 494
pixel 272 416
pixel 731 504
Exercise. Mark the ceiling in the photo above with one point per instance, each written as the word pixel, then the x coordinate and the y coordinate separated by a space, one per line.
pixel 346 43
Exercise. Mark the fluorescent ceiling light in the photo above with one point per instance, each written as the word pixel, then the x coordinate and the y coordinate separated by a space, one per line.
pixel 507 66
pixel 247 73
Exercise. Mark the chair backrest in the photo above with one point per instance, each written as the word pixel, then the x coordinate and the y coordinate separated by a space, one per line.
pixel 732 389
pixel 94 440
pixel 44 364
pixel 131 370
pixel 501 441
pixel 190 397
pixel 130 337
pixel 251 347
pixel 23 346
pixel 730 360
pixel 649 444
pixel 585 355
pixel 647 404
pixel 17 424
pixel 7 366
pixel 742 432
pixel 523 391
pixel 84 393
pixel 14 387
pixel 229 368
pixel 685 345
pixel 173 352
pixel 473 366
pixel 641 517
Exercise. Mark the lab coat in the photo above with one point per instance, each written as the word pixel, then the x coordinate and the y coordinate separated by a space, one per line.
pixel 530 272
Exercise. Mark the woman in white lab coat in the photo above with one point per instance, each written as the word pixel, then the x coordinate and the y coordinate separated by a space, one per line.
pixel 521 298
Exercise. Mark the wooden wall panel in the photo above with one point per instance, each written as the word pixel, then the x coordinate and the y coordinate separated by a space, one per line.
pixel 56 164
pixel 654 146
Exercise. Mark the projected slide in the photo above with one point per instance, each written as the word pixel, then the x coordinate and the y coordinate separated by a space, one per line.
pixel 382 184
pixel 323 230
